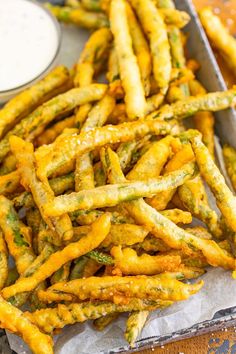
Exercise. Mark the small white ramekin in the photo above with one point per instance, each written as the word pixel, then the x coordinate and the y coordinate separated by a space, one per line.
pixel 8 94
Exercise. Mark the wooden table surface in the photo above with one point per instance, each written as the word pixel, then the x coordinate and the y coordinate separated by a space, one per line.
pixel 221 342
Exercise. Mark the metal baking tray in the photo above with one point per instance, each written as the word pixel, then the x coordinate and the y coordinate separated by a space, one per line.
pixel 210 76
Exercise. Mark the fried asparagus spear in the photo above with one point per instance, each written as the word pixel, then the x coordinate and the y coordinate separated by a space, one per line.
pixel 93 54
pixel 50 319
pixel 183 156
pixel 194 198
pixel 128 66
pixel 24 153
pixel 225 200
pixel 72 3
pixel 104 321
pixel 3 261
pixel 63 151
pixel 79 16
pixel 229 154
pixel 59 185
pixel 111 195
pixel 174 17
pixel 50 134
pixel 165 4
pixel 16 234
pixel 152 162
pixel 141 49
pixel 134 325
pixel 114 288
pixel 155 29
pixel 16 321
pixel 33 125
pixel 84 175
pixel 204 121
pixel 9 183
pixel 113 75
pixel 129 263
pixel 20 299
pixel 98 233
pixel 26 101
pixel 219 36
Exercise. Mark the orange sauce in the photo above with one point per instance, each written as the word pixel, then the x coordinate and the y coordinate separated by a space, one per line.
pixel 226 10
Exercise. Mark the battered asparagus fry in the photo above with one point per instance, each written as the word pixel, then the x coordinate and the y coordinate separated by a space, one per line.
pixel 12 276
pixel 98 233
pixel 111 287
pixel 72 3
pixel 225 200
pixel 134 325
pixel 104 321
pixel 152 162
pixel 183 156
pixel 230 163
pixel 9 183
pixel 214 101
pixel 155 29
pixel 177 216
pixel 15 321
pixel 113 75
pixel 20 299
pixel 99 114
pixel 177 92
pixel 3 261
pixel 16 235
pixel 99 175
pixel 79 16
pixel 92 5
pixel 50 134
pixel 62 315
pixel 61 274
pixel 111 195
pixel 130 263
pixel 59 185
pixel 128 66
pixel 141 49
pixel 204 121
pixel 77 270
pixel 64 149
pixel 165 4
pixel 33 125
pixel 96 48
pixel 124 234
pixel 101 258
pixel 24 153
pixel 175 17
pixel 84 176
pixel 219 36
pixel 26 101
pixel 194 199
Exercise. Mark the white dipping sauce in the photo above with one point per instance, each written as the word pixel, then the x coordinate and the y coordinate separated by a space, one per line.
pixel 28 42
